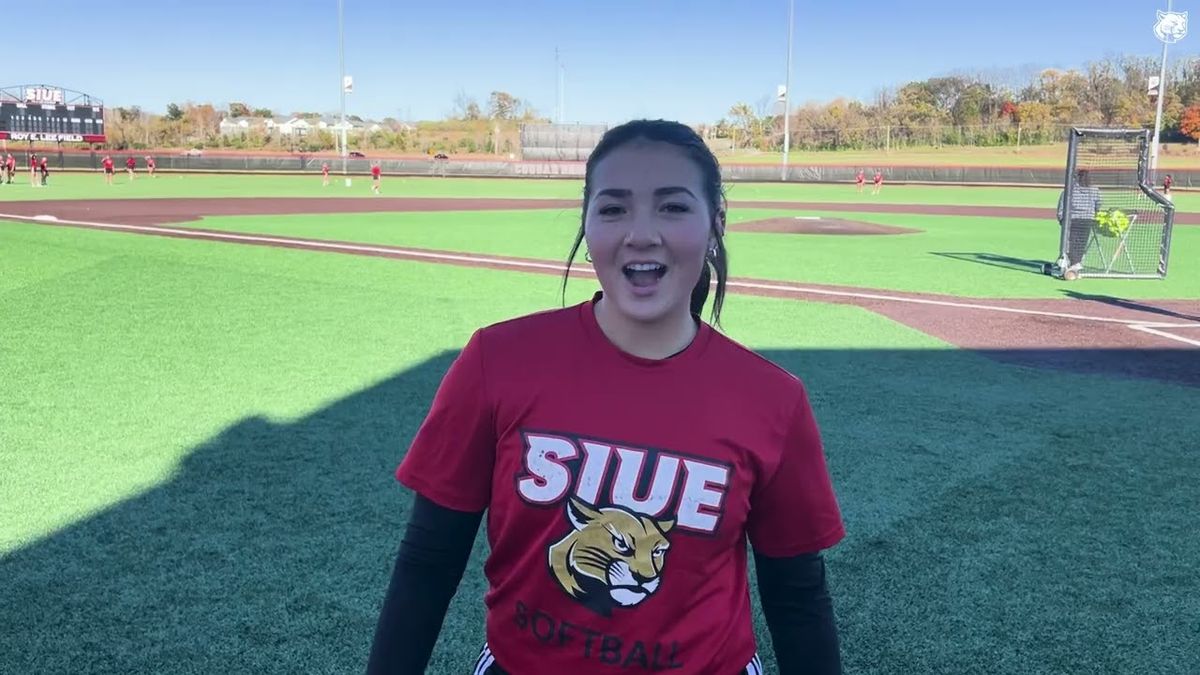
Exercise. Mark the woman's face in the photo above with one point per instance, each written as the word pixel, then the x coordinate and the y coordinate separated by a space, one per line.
pixel 648 229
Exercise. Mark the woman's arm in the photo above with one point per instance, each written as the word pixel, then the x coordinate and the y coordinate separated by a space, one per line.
pixel 799 614
pixel 429 567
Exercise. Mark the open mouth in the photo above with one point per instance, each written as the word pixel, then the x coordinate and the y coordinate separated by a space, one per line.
pixel 644 274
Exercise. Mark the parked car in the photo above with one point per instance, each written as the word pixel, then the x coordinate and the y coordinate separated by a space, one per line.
pixel 355 153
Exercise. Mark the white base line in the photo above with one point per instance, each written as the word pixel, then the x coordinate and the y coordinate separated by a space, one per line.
pixel 416 253
pixel 1171 336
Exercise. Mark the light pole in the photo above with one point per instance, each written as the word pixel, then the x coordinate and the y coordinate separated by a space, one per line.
pixel 1178 29
pixel 787 93
pixel 342 84
pixel 558 67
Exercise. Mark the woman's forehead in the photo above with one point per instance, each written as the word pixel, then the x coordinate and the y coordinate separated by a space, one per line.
pixel 646 167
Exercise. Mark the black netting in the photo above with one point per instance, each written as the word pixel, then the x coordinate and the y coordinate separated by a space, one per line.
pixel 1117 225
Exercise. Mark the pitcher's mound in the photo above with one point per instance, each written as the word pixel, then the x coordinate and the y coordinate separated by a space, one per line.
pixel 814 225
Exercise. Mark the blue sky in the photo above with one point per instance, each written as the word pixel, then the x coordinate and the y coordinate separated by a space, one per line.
pixel 680 59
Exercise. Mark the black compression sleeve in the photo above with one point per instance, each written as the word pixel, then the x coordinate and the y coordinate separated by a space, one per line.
pixel 799 614
pixel 429 567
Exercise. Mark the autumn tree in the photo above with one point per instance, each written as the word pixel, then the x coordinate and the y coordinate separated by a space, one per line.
pixel 1189 122
pixel 503 105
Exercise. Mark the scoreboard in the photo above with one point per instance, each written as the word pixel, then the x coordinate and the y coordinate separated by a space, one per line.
pixel 42 113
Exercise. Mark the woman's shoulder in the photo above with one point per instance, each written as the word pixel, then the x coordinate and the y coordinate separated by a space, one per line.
pixel 532 329
pixel 741 364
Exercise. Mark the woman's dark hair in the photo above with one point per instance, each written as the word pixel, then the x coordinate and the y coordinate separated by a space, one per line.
pixel 689 141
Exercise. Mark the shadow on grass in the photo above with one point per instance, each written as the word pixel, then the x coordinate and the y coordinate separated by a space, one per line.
pixel 995 260
pixel 1136 305
pixel 995 524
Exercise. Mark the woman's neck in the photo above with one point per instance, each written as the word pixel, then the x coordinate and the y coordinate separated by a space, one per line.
pixel 658 340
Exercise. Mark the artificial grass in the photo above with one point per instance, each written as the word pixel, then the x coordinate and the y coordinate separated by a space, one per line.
pixel 197 440
pixel 92 186
pixel 953 255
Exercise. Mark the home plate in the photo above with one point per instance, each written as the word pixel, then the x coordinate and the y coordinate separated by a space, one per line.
pixel 45 217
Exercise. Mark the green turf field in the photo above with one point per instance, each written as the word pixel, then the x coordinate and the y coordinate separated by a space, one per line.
pixel 89 186
pixel 197 439
pixel 197 443
pixel 978 257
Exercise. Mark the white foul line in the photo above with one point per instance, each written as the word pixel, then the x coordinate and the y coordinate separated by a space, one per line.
pixel 732 283
pixel 1171 336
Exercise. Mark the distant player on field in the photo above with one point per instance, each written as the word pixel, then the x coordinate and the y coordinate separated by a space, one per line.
pixel 150 164
pixel 44 167
pixel 11 166
pixel 878 182
pixel 860 180
pixel 130 165
pixel 324 174
pixel 1167 182
pixel 107 163
pixel 375 172
pixel 620 529
pixel 33 169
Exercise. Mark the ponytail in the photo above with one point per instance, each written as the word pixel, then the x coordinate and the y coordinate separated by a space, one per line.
pixel 700 291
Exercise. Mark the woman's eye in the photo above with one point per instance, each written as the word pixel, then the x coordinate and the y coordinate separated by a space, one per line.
pixel 610 210
pixel 676 208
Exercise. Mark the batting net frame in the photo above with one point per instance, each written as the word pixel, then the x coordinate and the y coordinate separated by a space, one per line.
pixel 1114 224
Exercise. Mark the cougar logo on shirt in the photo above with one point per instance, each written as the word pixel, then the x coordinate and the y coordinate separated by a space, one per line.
pixel 610 556
pixel 619 504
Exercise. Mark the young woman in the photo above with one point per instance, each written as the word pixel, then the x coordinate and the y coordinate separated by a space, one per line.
pixel 624 452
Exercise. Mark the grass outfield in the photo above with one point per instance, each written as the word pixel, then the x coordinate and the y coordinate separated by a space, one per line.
pixel 197 443
pixel 89 186
pixel 954 255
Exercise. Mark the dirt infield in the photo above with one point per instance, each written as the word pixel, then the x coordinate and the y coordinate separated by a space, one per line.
pixel 1087 334
pixel 164 211
pixel 815 225
pixel 158 211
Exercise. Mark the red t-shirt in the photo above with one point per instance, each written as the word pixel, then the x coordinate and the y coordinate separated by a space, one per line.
pixel 878 178
pixel 859 178
pixel 325 169
pixel 581 452
pixel 108 163
pixel 375 171
pixel 131 162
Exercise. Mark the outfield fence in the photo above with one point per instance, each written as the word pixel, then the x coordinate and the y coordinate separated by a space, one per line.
pixel 302 163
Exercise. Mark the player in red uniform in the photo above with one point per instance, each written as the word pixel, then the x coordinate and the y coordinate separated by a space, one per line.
pixel 878 182
pixel 860 180
pixel 324 174
pixel 623 451
pixel 150 165
pixel 375 171
pixel 11 166
pixel 33 169
pixel 44 168
pixel 130 165
pixel 107 163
